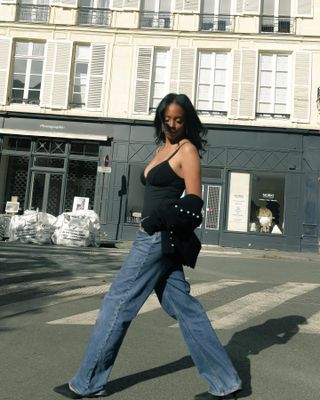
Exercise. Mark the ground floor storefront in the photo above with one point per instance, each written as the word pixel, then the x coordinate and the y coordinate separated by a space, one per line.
pixel 260 187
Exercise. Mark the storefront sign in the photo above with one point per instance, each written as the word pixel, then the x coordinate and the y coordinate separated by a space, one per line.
pixel 238 202
pixel 105 170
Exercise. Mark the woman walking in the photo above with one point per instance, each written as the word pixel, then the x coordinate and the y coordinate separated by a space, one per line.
pixel 164 243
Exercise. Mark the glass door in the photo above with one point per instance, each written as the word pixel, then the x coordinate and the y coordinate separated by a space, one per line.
pixel 210 227
pixel 46 192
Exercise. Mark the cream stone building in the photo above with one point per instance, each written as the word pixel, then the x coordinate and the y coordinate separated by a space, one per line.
pixel 80 80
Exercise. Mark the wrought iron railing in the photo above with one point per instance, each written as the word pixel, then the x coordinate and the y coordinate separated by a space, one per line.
pixel 213 113
pixel 271 24
pixel 272 115
pixel 216 23
pixel 94 16
pixel 152 20
pixel 33 13
pixel 20 100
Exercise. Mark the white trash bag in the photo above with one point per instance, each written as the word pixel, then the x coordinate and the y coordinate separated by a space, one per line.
pixel 32 227
pixel 77 229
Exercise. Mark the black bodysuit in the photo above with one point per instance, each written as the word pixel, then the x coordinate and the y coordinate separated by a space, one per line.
pixel 162 186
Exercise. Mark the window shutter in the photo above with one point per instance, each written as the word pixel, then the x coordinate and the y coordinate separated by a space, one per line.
pixel 65 3
pixel 187 72
pixel 5 58
pixel 96 75
pixel 55 88
pixel 304 8
pixel 238 4
pixel 302 84
pixel 192 5
pixel 174 70
pixel 8 1
pixel 251 7
pixel 47 79
pixel 117 4
pixel 235 87
pixel 143 80
pixel 131 4
pixel 179 5
pixel 243 92
pixel 247 98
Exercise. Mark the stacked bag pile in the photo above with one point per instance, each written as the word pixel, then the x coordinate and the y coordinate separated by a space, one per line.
pixel 76 229
pixel 32 227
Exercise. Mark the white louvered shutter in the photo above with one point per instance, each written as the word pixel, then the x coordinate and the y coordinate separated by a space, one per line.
pixel 251 7
pixel 187 72
pixel 5 58
pixel 96 77
pixel 65 3
pixel 47 79
pixel 302 84
pixel 187 5
pixel 131 4
pixel 117 4
pixel 238 7
pixel 174 70
pixel 179 5
pixel 235 87
pixel 247 93
pixel 143 80
pixel 8 1
pixel 61 77
pixel 55 88
pixel 304 8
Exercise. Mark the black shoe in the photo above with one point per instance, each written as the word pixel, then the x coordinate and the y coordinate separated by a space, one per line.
pixel 65 391
pixel 209 396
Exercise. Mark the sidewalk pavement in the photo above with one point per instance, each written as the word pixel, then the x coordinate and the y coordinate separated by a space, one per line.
pixel 207 250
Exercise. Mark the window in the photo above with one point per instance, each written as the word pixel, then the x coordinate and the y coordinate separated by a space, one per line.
pixel 212 82
pixel 94 12
pixel 80 79
pixel 276 16
pixel 156 14
pixel 160 76
pixel 216 16
pixel 273 86
pixel 256 202
pixel 27 72
pixel 36 11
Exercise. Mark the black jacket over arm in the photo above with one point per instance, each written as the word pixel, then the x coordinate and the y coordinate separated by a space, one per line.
pixel 177 223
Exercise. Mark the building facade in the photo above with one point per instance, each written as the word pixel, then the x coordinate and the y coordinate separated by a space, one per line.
pixel 80 81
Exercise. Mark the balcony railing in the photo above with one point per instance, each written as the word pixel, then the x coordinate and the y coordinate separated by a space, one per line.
pixel 216 23
pixel 20 100
pixel 33 13
pixel 151 20
pixel 271 24
pixel 94 16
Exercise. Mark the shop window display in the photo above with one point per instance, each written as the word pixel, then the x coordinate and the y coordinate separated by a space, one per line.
pixel 256 202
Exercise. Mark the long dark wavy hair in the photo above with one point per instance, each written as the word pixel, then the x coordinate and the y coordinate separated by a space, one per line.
pixel 194 130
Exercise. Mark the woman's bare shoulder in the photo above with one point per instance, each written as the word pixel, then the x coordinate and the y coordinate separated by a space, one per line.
pixel 188 148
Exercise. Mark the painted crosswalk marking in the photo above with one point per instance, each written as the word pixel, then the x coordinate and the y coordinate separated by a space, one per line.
pixel 312 325
pixel 245 308
pixel 88 318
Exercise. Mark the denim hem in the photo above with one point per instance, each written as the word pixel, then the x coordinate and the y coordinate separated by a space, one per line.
pixel 226 392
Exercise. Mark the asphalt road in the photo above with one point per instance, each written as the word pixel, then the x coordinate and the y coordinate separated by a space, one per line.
pixel 266 310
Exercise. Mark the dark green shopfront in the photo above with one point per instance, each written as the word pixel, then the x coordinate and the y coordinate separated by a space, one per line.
pixel 260 186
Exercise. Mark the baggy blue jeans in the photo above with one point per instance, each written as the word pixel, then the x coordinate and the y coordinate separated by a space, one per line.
pixel 144 270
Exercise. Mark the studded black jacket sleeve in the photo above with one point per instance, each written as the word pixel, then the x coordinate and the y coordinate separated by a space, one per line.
pixel 177 223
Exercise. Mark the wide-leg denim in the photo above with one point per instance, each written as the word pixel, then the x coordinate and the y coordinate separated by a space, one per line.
pixel 144 270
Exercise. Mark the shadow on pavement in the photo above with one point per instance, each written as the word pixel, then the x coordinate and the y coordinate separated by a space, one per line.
pixel 242 344
pixel 253 340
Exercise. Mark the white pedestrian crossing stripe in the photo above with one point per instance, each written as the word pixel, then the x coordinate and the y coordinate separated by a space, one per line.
pixel 227 316
pixel 198 289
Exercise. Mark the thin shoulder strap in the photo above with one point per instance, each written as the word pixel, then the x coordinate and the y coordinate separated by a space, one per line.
pixel 176 151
